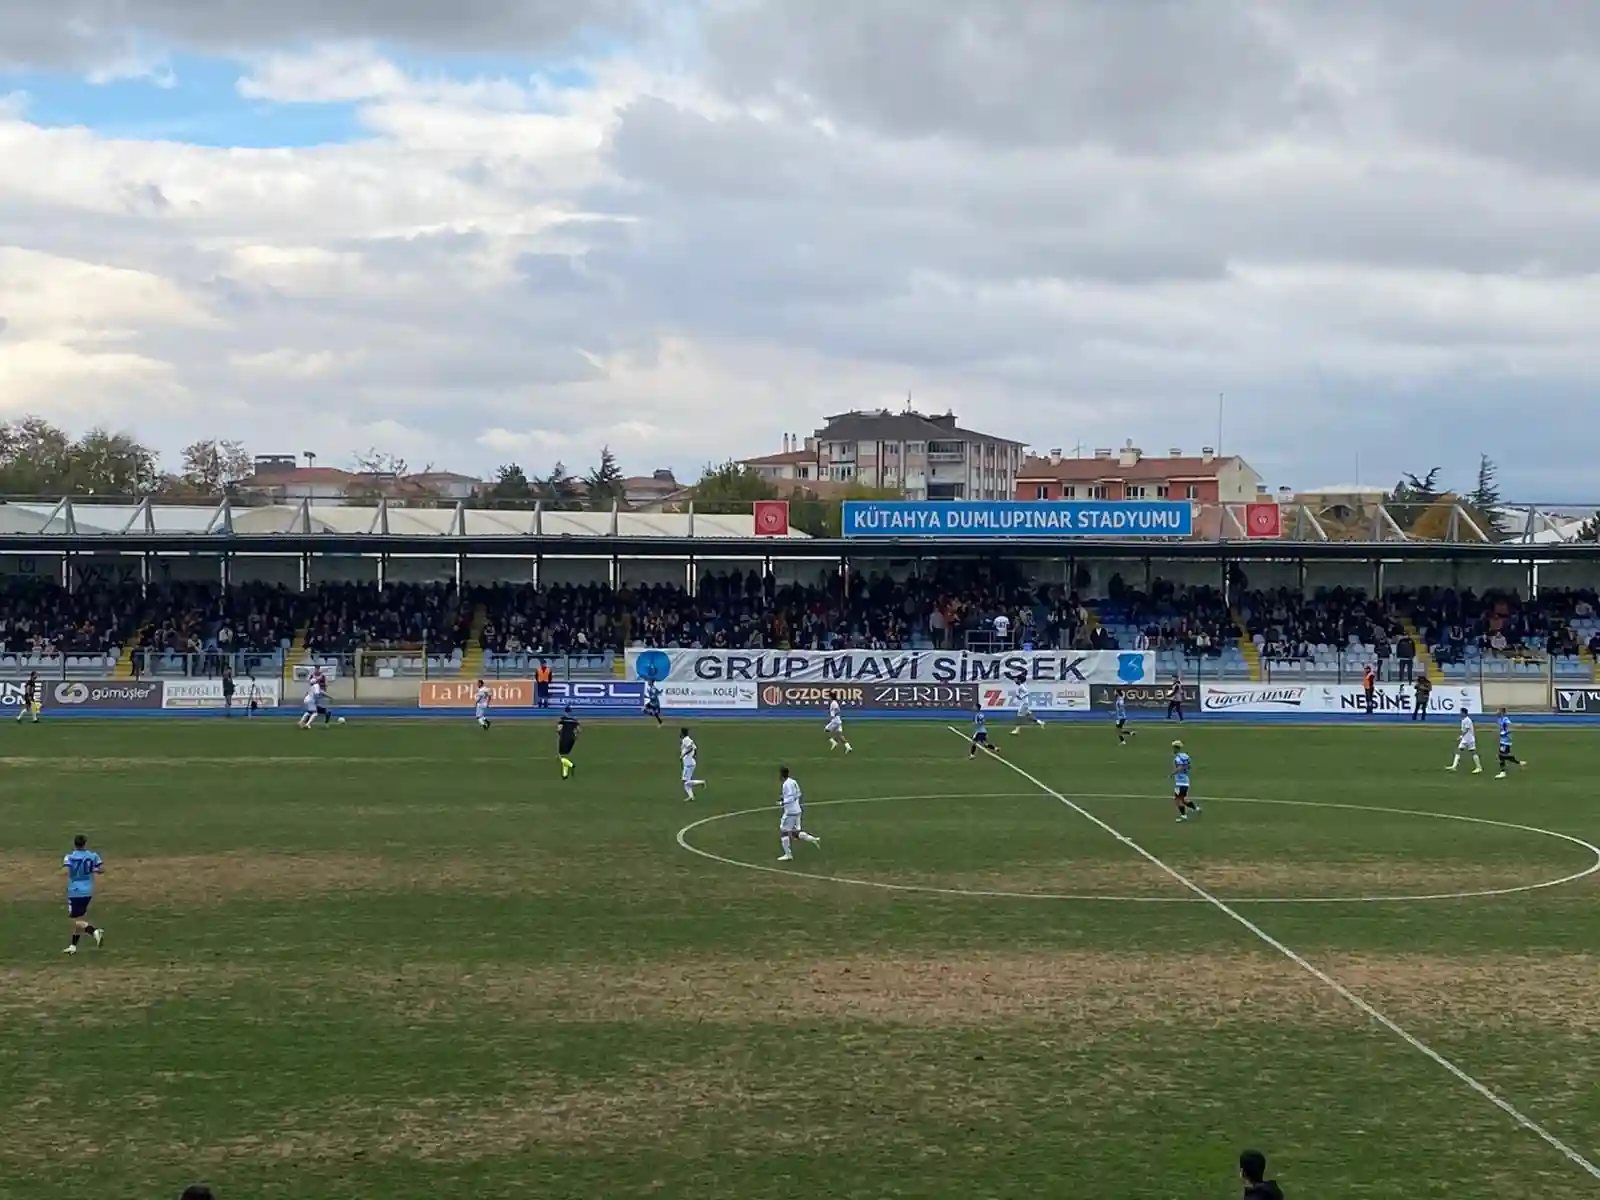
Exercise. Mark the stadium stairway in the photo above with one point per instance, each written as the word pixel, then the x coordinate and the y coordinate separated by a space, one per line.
pixel 1424 655
pixel 1247 648
pixel 124 667
pixel 472 652
pixel 297 653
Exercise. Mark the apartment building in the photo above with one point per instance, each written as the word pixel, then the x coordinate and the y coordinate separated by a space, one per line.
pixel 925 457
pixel 1128 474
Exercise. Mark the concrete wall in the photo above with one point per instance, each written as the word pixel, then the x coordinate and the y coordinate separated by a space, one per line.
pixel 1523 696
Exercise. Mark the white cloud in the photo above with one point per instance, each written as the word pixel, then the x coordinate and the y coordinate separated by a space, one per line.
pixel 766 214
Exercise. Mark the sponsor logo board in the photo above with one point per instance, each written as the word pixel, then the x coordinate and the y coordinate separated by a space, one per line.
pixel 1577 700
pixel 830 667
pixel 519 693
pixel 869 695
pixel 1334 698
pixel 85 693
pixel 1143 696
pixel 207 693
pixel 1059 697
pixel 708 695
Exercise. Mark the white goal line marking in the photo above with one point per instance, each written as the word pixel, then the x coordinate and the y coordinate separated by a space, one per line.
pixel 1311 969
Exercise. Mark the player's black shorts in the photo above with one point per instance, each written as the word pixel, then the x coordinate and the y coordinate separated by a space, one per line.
pixel 1122 722
pixel 981 738
pixel 652 708
pixel 78 905
pixel 1181 791
pixel 566 746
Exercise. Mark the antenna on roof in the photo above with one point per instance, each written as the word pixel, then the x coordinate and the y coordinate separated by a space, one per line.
pixel 908 399
pixel 310 456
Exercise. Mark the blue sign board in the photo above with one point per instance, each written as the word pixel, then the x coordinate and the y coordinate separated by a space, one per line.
pixel 1017 518
pixel 596 693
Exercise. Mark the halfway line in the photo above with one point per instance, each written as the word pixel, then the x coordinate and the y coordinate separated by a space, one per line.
pixel 1315 972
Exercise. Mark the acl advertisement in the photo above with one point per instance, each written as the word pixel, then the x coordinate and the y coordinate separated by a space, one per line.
pixel 207 693
pixel 1334 698
pixel 1059 697
pixel 85 693
pixel 870 695
pixel 1577 700
pixel 518 693
pixel 889 666
pixel 1152 696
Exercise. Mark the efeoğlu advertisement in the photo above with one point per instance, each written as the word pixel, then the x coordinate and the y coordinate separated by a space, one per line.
pixel 1043 667
pixel 207 693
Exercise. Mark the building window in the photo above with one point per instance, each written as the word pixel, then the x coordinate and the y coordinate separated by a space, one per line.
pixel 1070 492
pixel 1135 492
pixel 1193 491
pixel 1099 491
pixel 1042 492
pixel 1162 491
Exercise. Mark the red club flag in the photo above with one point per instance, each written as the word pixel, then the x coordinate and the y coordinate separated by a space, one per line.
pixel 772 518
pixel 1263 521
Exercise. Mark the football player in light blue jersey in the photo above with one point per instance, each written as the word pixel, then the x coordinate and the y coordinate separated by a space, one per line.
pixel 980 732
pixel 652 701
pixel 1181 764
pixel 80 866
pixel 1506 756
pixel 1119 705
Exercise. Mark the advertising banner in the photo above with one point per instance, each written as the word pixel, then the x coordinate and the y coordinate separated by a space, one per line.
pixel 1334 698
pixel 1055 697
pixel 1141 697
pixel 896 696
pixel 708 695
pixel 890 666
pixel 1576 700
pixel 207 693
pixel 463 693
pixel 518 693
pixel 1017 518
pixel 86 693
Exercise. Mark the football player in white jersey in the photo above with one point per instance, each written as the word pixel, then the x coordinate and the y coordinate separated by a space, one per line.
pixel 835 728
pixel 480 701
pixel 1467 745
pixel 687 754
pixel 790 824
pixel 316 703
pixel 1022 701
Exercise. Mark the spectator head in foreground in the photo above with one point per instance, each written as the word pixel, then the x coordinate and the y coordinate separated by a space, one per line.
pixel 198 1191
pixel 1253 1170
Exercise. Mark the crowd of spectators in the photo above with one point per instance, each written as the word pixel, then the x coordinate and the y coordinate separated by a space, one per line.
pixel 41 618
pixel 344 617
pixel 954 607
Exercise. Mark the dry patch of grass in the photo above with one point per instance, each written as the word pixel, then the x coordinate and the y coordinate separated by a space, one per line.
pixel 211 878
pixel 1241 879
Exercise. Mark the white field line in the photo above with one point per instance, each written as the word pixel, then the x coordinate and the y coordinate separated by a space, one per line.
pixel 1314 971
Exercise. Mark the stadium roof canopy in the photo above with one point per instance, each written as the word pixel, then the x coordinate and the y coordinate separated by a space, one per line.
pixel 88 519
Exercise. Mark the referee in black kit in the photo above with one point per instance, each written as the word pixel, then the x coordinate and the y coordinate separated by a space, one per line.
pixel 1175 700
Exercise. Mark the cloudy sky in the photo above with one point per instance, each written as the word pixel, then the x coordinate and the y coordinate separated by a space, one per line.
pixel 476 231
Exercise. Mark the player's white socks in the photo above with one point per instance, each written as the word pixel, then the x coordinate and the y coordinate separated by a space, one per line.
pixel 788 848
pixel 806 837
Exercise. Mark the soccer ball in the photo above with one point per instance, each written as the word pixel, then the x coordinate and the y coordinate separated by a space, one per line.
pixel 339 720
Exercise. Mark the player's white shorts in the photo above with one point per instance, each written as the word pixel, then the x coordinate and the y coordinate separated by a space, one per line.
pixel 789 822
pixel 311 704
pixel 1468 744
pixel 834 725
pixel 688 769
pixel 1024 710
pixel 483 711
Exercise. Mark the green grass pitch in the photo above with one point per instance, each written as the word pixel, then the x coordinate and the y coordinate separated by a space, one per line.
pixel 404 960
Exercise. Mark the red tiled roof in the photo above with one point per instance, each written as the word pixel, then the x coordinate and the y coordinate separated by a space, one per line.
pixel 298 475
pixel 795 457
pixel 1092 470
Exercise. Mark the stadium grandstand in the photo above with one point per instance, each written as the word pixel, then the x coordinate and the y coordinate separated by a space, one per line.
pixel 94 590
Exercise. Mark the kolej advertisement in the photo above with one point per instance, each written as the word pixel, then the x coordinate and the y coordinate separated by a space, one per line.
pixel 1333 698
pixel 1041 668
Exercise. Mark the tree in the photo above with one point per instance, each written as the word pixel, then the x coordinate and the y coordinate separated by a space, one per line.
pixel 558 490
pixel 380 462
pixel 824 517
pixel 511 484
pixel 730 487
pixel 35 458
pixel 1412 497
pixel 605 482
pixel 1486 496
pixel 1589 531
pixel 210 466
pixel 38 459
